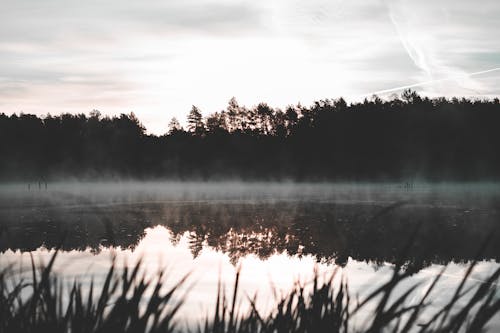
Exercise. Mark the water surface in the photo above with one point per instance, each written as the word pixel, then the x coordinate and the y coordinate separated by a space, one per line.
pixel 277 233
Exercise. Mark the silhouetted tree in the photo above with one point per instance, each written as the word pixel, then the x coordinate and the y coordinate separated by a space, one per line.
pixel 278 123
pixel 264 114
pixel 399 138
pixel 233 113
pixel 411 96
pixel 216 122
pixel 291 117
pixel 174 126
pixel 195 121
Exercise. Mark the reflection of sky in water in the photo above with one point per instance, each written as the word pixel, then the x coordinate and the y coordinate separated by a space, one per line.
pixel 278 233
pixel 257 275
pixel 370 222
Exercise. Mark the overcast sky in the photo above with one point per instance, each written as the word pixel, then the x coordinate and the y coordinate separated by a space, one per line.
pixel 157 58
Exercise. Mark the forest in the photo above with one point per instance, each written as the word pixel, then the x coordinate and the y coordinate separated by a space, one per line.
pixel 405 138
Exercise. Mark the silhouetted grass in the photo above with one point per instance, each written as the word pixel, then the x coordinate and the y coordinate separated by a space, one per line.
pixel 116 309
pixel 129 302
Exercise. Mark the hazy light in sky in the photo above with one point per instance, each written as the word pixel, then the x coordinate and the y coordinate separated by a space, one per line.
pixel 157 58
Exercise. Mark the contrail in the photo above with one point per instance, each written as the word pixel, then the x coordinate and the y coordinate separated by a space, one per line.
pixel 385 91
pixel 415 50
pixel 421 47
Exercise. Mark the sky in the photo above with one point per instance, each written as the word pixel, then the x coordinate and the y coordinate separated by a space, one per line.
pixel 157 58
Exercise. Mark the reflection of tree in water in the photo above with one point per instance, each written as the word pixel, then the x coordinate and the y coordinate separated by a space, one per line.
pixel 327 231
pixel 240 243
pixel 71 230
pixel 332 232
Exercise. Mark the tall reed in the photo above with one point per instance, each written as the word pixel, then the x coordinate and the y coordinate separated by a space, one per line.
pixel 127 301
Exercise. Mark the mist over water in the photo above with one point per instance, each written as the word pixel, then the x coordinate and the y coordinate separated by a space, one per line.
pixel 383 210
pixel 278 233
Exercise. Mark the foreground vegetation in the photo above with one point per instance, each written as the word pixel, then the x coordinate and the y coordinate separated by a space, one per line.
pixel 404 137
pixel 129 302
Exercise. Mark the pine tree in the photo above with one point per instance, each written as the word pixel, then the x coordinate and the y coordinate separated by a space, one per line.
pixel 174 126
pixel 195 121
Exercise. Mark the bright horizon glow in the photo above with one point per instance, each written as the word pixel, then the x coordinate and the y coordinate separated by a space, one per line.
pixel 158 59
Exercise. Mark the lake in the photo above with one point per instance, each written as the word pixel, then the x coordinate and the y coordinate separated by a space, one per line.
pixel 276 233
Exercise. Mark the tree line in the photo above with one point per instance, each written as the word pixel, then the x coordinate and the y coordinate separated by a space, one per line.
pixel 406 137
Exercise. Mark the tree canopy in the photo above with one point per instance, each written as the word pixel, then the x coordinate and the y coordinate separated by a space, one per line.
pixel 399 138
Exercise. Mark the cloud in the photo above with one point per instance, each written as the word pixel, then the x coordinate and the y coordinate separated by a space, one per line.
pixel 442 39
pixel 59 19
pixel 157 58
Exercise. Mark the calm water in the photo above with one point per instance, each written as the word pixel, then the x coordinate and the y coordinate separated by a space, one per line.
pixel 277 233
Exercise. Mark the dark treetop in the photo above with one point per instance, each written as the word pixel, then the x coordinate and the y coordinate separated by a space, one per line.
pixel 402 138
